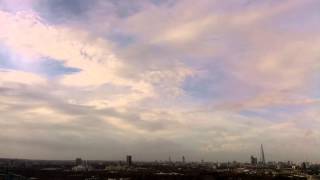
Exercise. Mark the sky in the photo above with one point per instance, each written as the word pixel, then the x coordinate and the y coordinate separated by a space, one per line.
pixel 206 79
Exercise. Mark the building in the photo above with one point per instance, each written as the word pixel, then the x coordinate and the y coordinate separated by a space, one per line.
pixel 183 159
pixel 254 160
pixel 263 159
pixel 129 160
pixel 81 166
pixel 78 161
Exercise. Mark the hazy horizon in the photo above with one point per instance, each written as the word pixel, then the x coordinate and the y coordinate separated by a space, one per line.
pixel 207 79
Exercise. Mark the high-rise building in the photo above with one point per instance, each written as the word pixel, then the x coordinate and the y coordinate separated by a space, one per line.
pixel 254 160
pixel 263 160
pixel 129 160
pixel 183 159
pixel 78 161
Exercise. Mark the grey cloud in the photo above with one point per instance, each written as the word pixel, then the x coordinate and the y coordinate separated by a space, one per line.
pixel 75 128
pixel 86 134
pixel 76 11
pixel 60 11
pixel 45 97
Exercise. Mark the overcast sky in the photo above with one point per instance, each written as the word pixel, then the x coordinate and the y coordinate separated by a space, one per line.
pixel 207 79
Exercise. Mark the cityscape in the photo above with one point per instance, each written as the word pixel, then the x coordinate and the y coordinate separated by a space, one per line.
pixel 159 89
pixel 128 169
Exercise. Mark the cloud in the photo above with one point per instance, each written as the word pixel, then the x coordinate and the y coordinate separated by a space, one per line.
pixel 16 5
pixel 210 80
pixel 11 76
pixel 269 100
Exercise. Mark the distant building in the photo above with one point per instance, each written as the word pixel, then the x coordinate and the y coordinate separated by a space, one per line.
pixel 78 161
pixel 79 168
pixel 254 160
pixel 263 159
pixel 129 160
pixel 305 165
pixel 81 165
pixel 183 159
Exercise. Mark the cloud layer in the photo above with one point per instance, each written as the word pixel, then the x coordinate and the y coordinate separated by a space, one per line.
pixel 154 79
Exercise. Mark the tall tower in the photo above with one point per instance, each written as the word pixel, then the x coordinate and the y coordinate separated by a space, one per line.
pixel 129 160
pixel 263 160
pixel 183 159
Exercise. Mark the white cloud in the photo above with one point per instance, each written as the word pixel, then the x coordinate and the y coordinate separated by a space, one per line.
pixel 12 76
pixel 132 96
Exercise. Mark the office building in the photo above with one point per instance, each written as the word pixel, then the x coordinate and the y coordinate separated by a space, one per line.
pixel 129 160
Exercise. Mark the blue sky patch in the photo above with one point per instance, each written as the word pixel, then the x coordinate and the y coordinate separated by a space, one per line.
pixel 51 68
pixel 46 66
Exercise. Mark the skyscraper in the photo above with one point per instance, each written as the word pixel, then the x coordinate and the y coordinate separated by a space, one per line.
pixel 254 160
pixel 129 160
pixel 183 159
pixel 78 161
pixel 263 160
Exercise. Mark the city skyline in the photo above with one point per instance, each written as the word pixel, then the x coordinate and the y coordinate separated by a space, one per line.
pixel 128 159
pixel 211 80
